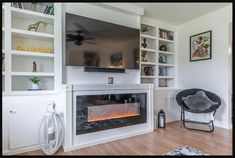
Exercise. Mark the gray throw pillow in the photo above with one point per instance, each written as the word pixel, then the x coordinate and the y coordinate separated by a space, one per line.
pixel 198 101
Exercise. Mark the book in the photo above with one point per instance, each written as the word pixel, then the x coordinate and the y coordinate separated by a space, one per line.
pixel 45 9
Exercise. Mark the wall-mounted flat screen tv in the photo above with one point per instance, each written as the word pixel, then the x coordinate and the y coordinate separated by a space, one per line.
pixel 95 43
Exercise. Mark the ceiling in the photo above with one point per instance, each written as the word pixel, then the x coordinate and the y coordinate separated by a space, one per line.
pixel 178 13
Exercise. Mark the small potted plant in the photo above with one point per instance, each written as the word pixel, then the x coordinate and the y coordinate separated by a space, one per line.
pixel 144 29
pixel 35 82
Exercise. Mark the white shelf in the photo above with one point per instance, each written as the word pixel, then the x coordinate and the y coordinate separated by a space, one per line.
pixel 148 36
pixel 148 76
pixel 30 34
pixel 31 15
pixel 166 77
pixel 148 63
pixel 35 54
pixel 32 74
pixel 162 88
pixel 166 52
pixel 46 92
pixel 170 65
pixel 166 40
pixel 148 50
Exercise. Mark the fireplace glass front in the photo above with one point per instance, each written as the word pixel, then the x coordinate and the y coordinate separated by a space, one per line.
pixel 100 112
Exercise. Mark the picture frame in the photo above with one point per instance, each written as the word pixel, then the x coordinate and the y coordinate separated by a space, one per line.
pixel 162 82
pixel 201 46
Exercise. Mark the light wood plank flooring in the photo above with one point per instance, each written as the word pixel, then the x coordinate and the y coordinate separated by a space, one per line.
pixel 160 142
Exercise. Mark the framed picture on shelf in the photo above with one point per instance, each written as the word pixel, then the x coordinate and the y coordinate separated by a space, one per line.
pixel 200 46
pixel 162 82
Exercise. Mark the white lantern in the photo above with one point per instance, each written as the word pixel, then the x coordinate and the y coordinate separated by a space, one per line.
pixel 51 132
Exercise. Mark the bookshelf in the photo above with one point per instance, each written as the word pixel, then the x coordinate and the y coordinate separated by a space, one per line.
pixel 160 56
pixel 27 46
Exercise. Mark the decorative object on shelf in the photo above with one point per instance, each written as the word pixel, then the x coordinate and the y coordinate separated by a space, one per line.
pixel 21 6
pixel 144 44
pixel 51 131
pixel 163 47
pixel 149 71
pixel 162 82
pixel 162 59
pixel 49 10
pixel 3 61
pixel 200 46
pixel 14 4
pixel 161 119
pixel 164 35
pixel 170 37
pixel 143 54
pixel 35 83
pixel 110 80
pixel 34 6
pixel 144 29
pixel 161 70
pixel 34 67
pixel 35 26
pixel 33 49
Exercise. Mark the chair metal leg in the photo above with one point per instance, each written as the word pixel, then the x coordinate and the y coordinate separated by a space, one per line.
pixel 211 122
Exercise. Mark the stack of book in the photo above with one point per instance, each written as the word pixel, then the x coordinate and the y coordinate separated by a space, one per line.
pixel 49 10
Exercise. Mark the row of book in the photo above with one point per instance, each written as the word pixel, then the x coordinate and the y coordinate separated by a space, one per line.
pixel 49 10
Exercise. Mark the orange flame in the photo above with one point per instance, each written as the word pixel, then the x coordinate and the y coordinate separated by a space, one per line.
pixel 100 118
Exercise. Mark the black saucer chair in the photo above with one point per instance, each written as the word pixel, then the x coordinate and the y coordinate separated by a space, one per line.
pixel 213 108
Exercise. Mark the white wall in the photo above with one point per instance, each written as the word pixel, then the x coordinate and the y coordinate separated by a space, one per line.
pixel 212 75
pixel 74 74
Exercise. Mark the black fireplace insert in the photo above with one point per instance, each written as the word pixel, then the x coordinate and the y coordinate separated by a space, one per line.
pixel 107 111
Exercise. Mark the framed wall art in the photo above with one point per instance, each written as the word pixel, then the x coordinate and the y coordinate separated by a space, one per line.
pixel 200 46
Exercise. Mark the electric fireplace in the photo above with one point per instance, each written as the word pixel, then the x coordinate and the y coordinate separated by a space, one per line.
pixel 107 111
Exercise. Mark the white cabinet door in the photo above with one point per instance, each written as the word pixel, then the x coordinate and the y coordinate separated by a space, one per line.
pixel 24 122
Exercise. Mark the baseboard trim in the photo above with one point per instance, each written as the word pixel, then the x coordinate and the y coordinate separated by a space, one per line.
pixel 75 147
pixel 21 150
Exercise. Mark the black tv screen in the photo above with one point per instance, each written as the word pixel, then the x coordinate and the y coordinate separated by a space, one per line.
pixel 95 43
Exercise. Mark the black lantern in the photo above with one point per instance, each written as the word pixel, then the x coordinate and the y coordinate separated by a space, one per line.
pixel 161 119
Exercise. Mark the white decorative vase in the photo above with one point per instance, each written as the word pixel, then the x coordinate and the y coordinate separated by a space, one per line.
pixel 35 86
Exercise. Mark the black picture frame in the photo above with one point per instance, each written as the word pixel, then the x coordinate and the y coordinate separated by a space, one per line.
pixel 201 46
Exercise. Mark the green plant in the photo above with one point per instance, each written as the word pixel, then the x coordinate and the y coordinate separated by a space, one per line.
pixel 144 29
pixel 35 80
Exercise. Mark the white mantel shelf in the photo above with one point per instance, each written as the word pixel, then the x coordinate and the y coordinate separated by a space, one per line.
pixel 92 87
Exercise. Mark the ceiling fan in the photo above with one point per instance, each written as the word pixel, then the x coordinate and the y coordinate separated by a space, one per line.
pixel 83 35
pixel 79 38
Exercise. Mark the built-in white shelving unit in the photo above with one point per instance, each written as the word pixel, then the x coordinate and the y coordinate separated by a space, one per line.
pixel 28 46
pixel 160 56
pixel 148 47
pixel 166 58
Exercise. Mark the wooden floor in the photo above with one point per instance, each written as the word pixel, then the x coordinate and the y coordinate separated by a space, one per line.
pixel 160 142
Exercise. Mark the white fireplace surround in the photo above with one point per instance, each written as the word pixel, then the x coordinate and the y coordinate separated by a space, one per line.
pixel 73 141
